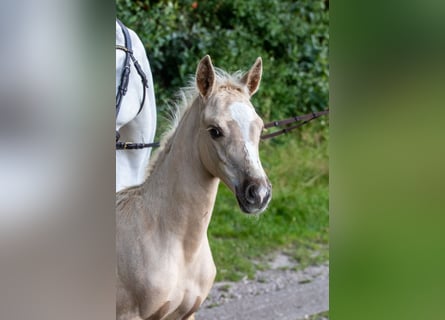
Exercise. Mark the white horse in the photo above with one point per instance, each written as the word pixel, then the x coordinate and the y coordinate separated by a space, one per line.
pixel 132 125
pixel 164 265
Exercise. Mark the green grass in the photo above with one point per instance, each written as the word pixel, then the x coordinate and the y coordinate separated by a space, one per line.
pixel 318 316
pixel 297 219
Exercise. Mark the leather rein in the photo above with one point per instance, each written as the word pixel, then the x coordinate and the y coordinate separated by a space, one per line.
pixel 304 118
pixel 123 86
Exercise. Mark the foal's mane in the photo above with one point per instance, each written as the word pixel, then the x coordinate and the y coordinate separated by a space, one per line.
pixel 184 100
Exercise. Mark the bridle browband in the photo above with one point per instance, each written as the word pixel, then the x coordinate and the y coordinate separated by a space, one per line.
pixel 123 86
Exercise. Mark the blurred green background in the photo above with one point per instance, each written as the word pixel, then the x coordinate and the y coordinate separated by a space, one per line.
pixel 387 160
pixel 292 39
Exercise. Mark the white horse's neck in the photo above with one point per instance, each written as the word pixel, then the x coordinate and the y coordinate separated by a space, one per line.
pixel 188 190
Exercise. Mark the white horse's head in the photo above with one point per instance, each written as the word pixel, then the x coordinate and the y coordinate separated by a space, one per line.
pixel 230 132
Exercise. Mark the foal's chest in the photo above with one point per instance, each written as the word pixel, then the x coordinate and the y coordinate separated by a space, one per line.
pixel 183 286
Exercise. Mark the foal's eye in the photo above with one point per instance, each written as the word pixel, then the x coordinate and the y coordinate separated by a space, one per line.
pixel 215 132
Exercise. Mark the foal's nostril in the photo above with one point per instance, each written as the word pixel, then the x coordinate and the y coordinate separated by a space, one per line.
pixel 251 193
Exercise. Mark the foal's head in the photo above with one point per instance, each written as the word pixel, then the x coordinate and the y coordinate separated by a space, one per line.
pixel 230 133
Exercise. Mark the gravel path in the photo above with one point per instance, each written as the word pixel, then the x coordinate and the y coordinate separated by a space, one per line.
pixel 278 293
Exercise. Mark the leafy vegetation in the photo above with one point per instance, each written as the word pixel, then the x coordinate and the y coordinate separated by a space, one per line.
pixel 292 38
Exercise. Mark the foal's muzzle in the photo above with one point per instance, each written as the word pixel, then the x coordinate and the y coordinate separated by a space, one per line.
pixel 254 195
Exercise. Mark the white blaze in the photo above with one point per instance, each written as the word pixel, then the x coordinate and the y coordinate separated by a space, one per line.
pixel 243 114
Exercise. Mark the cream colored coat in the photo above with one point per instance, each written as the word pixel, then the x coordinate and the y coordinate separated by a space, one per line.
pixel 165 267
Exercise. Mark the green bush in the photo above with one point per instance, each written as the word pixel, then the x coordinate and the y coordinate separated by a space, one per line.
pixel 291 37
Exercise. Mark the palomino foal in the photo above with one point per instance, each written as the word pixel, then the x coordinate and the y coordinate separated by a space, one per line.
pixel 165 268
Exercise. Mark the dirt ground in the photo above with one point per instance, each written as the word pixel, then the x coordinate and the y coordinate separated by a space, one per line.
pixel 278 293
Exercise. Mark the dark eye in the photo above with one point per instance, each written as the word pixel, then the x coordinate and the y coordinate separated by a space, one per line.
pixel 215 132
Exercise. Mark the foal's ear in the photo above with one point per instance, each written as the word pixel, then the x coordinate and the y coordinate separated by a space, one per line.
pixel 252 78
pixel 205 77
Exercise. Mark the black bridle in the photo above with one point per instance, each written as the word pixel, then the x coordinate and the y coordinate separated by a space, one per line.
pixel 122 90
pixel 123 86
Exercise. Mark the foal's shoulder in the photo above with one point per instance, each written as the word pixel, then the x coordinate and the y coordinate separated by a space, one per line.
pixel 129 199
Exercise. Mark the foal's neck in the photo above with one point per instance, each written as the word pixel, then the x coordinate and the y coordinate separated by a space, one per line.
pixel 179 177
